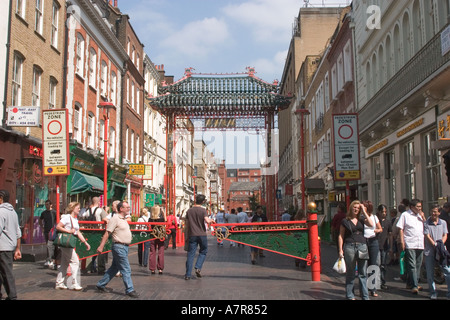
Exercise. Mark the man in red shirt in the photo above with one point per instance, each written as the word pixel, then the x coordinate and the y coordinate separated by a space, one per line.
pixel 336 223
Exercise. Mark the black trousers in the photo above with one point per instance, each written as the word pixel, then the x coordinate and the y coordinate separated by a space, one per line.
pixel 6 274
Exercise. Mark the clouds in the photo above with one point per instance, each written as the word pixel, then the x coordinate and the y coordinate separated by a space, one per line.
pixel 198 38
pixel 268 21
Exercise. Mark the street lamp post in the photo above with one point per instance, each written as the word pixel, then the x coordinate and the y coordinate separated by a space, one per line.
pixel 302 112
pixel 106 107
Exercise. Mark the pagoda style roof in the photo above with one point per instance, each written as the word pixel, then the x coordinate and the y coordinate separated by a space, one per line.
pixel 220 96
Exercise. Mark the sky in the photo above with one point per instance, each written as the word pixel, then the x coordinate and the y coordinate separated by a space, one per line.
pixel 220 36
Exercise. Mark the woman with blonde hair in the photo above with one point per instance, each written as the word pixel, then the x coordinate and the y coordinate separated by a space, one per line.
pixel 353 248
pixel 156 259
pixel 69 224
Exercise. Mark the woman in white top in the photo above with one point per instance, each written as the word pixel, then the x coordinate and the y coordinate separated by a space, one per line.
pixel 371 234
pixel 143 248
pixel 69 224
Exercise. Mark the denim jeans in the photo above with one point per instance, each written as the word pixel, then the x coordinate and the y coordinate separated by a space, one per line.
pixel 374 254
pixel 351 262
pixel 429 265
pixel 413 263
pixel 195 241
pixel 120 263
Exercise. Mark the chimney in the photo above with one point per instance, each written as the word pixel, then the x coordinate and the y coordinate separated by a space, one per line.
pixel 115 3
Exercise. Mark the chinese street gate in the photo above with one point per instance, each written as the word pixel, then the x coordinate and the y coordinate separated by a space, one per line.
pixel 225 102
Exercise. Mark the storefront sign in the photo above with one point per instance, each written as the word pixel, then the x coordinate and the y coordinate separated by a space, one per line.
pixel 55 142
pixel 443 122
pixel 346 147
pixel 23 116
pixel 136 169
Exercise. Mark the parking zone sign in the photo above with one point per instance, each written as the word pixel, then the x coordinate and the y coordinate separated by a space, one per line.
pixel 55 142
pixel 346 147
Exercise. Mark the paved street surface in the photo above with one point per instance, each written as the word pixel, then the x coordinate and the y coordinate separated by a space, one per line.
pixel 228 275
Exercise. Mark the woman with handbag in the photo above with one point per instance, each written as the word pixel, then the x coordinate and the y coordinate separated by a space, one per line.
pixel 353 248
pixel 68 229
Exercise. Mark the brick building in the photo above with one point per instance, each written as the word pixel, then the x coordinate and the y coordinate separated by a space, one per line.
pixel 34 80
pixel 95 62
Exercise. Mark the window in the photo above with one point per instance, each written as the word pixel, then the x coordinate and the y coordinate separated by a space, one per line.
pixel 138 60
pixel 20 8
pixel 92 67
pixel 103 78
pixel 348 76
pixel 55 19
pixel 38 16
pixel 111 142
pixel 91 130
pixel 101 136
pixel 132 147
pixel 128 90
pixel 376 173
pixel 77 122
pixel 36 92
pixel 127 135
pixel 390 178
pixel 433 170
pixel 16 98
pixel 52 91
pixel 80 55
pixel 409 170
pixel 113 87
pixel 132 95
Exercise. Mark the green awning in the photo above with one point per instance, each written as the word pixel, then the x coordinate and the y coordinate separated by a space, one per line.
pixel 112 192
pixel 85 183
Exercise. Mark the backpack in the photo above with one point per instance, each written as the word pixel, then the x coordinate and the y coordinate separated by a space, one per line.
pixel 91 216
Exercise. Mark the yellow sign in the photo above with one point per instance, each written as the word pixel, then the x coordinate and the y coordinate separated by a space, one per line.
pixel 136 169
pixel 56 171
pixel 348 175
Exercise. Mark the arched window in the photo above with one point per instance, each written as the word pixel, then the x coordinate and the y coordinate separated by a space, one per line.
pixel 91 130
pixel 92 67
pixel 397 49
pixel 77 114
pixel 369 81
pixel 406 37
pixel 388 54
pixel 80 55
pixel 417 26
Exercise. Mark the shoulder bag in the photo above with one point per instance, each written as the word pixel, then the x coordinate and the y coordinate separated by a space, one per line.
pixel 66 240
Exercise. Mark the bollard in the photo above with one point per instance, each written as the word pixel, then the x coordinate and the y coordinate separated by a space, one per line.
pixel 314 245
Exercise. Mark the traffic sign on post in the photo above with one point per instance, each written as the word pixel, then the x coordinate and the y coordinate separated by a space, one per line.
pixel 346 147
pixel 55 142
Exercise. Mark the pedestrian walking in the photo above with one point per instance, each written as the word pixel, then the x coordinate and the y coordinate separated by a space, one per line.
pixel 385 241
pixel 232 218
pixel 435 231
pixel 10 235
pixel 336 223
pixel 119 229
pixel 196 218
pixel 371 235
pixel 353 248
pixel 172 226
pixel 411 235
pixel 259 216
pixel 143 248
pixel 46 221
pixel 157 245
pixel 69 224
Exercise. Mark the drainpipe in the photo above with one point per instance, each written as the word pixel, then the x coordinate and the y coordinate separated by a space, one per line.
pixel 8 54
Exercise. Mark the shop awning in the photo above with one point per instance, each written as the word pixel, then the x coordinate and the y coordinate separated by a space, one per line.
pixel 314 186
pixel 112 189
pixel 85 183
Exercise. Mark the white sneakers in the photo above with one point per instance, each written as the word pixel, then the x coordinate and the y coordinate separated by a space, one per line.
pixel 62 286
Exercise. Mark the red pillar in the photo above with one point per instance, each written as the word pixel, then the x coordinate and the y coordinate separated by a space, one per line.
pixel 314 244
